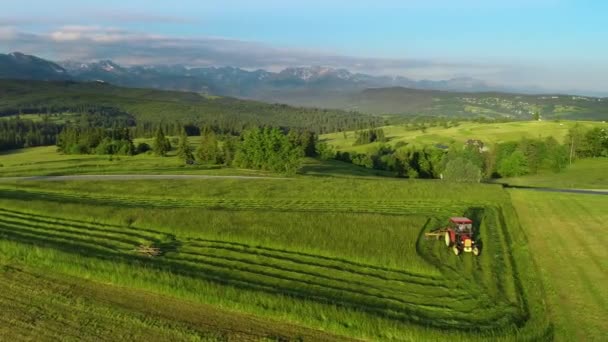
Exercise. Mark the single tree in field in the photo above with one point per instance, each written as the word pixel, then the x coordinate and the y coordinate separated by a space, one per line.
pixel 208 151
pixel 161 143
pixel 184 151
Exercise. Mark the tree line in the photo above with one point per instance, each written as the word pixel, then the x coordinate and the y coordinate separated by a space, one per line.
pixel 18 133
pixel 472 162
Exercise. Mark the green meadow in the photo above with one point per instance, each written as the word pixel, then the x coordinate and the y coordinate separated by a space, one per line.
pixel 339 256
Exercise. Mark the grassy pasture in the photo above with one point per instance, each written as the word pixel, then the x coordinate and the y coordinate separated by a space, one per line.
pixel 583 174
pixel 488 133
pixel 566 235
pixel 330 254
pixel 47 161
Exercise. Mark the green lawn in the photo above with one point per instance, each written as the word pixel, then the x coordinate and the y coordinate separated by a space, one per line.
pixel 488 133
pixel 567 238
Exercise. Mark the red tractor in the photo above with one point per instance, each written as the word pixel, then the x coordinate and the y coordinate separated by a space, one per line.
pixel 458 235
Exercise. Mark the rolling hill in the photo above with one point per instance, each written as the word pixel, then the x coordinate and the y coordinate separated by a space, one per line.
pixel 154 106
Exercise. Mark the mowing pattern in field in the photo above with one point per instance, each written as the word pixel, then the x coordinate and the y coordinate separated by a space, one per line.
pixel 468 295
pixel 400 207
pixel 45 307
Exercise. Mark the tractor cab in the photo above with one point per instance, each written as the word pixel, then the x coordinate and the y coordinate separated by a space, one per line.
pixel 458 235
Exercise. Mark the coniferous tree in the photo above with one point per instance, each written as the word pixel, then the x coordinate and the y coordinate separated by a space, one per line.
pixel 184 151
pixel 208 150
pixel 161 143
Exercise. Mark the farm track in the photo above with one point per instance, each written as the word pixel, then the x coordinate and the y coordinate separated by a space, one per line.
pixel 448 302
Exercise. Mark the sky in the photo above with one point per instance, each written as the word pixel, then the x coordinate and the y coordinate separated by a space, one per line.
pixel 551 44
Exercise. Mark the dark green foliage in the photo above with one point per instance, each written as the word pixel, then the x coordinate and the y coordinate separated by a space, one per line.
pixel 324 151
pixel 305 139
pixel 408 162
pixel 184 151
pixel 528 156
pixel 149 108
pixel 370 136
pixel 161 143
pixel 77 140
pixel 143 147
pixel 268 149
pixel 17 133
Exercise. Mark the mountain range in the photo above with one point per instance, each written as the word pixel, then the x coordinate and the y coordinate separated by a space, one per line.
pixel 226 81
pixel 317 87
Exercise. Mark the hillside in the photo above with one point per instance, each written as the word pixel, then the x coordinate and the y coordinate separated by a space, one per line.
pixel 486 132
pixel 406 101
pixel 147 105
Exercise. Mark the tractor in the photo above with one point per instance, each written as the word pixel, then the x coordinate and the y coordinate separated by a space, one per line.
pixel 458 235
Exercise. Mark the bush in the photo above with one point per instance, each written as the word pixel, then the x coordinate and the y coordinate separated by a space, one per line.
pixel 324 151
pixel 513 165
pixel 143 148
pixel 462 170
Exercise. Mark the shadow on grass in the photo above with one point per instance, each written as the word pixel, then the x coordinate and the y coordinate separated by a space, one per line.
pixel 335 168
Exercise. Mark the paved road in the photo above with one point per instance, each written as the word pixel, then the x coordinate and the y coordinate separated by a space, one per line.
pixel 575 191
pixel 129 177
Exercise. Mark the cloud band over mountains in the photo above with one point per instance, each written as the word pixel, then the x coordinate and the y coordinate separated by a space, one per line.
pixel 89 43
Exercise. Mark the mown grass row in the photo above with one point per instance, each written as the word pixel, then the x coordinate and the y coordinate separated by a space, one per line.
pixel 34 308
pixel 441 303
pixel 403 207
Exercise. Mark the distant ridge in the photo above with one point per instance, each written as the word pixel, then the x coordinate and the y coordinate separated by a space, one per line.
pixel 17 65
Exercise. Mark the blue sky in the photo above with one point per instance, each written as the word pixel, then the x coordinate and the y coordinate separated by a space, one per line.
pixel 554 44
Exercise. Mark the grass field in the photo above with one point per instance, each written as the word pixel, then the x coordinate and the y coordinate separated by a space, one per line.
pixel 338 255
pixel 488 133
pixel 47 161
pixel 582 174
pixel 566 234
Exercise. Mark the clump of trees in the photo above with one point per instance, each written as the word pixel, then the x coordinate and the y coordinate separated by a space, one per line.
pixel 17 133
pixel 369 136
pixel 471 163
pixel 403 161
pixel 77 140
pixel 587 143
pixel 268 149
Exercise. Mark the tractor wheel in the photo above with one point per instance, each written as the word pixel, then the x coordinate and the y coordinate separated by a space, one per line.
pixel 456 250
pixel 448 240
pixel 475 250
